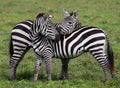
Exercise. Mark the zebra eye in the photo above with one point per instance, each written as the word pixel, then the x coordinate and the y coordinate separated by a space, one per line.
pixel 49 26
pixel 70 22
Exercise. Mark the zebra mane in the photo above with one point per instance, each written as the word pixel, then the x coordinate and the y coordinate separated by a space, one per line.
pixel 71 13
pixel 40 15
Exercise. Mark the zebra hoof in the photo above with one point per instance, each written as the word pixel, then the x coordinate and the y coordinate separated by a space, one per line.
pixel 103 81
pixel 35 79
pixel 11 78
pixel 114 76
pixel 49 79
pixel 63 77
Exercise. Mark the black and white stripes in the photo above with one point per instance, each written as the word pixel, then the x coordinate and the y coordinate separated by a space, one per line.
pixel 20 39
pixel 27 33
pixel 85 39
pixel 43 25
pixel 82 39
pixel 37 34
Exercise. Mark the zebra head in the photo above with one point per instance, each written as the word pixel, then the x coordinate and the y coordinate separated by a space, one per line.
pixel 44 26
pixel 69 23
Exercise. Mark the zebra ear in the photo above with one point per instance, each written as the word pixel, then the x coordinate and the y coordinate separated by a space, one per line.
pixel 39 15
pixel 66 13
pixel 47 16
pixel 74 14
pixel 50 16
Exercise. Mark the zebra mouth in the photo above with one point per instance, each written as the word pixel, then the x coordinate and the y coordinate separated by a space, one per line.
pixel 61 31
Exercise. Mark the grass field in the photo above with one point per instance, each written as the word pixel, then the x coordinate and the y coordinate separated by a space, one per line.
pixel 84 71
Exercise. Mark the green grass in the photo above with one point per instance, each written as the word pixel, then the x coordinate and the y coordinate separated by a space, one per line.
pixel 84 71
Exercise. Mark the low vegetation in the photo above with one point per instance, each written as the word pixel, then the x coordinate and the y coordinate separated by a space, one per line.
pixel 84 71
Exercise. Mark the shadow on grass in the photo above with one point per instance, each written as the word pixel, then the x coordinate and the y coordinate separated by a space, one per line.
pixel 27 75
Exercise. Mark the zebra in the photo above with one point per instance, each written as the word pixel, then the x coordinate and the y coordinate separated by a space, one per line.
pixel 83 39
pixel 21 36
pixel 20 41
pixel 63 48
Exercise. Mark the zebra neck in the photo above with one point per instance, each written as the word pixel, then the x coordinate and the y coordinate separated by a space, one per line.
pixel 40 43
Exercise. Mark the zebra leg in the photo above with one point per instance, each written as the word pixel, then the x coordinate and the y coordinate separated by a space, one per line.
pixel 15 59
pixel 64 71
pixel 13 66
pixel 103 61
pixel 48 66
pixel 37 67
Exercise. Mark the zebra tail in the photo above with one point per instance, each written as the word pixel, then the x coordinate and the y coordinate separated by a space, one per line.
pixel 110 58
pixel 11 47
